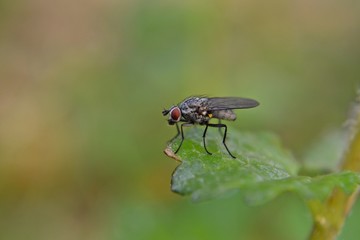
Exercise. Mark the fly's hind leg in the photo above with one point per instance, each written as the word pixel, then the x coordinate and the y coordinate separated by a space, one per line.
pixel 220 125
pixel 221 133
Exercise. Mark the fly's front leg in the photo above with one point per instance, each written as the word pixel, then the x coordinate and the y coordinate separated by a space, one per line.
pixel 177 134
pixel 182 133
pixel 220 125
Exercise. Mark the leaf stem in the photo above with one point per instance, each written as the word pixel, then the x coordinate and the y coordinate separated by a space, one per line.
pixel 329 217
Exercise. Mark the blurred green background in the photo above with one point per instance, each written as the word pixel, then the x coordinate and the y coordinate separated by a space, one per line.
pixel 83 84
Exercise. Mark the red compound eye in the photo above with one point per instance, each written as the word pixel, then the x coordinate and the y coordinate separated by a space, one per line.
pixel 175 114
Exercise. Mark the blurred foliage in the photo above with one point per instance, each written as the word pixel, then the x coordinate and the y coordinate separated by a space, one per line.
pixel 325 154
pixel 83 84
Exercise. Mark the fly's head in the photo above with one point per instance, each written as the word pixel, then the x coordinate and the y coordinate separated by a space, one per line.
pixel 174 114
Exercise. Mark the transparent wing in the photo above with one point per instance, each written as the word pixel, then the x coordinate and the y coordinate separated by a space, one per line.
pixel 222 103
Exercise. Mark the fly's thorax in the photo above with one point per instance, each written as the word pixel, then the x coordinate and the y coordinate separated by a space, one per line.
pixel 224 114
pixel 192 104
pixel 194 110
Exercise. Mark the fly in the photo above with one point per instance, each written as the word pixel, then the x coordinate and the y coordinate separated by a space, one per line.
pixel 199 110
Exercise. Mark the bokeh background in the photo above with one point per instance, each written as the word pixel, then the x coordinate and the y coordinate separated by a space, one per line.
pixel 83 84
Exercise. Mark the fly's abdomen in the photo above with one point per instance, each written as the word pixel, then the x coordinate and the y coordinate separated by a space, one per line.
pixel 224 114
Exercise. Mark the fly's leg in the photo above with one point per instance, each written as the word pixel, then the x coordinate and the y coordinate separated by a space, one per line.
pixel 221 133
pixel 204 135
pixel 177 134
pixel 220 125
pixel 182 133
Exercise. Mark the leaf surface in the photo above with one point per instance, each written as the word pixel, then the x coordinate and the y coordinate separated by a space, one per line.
pixel 262 169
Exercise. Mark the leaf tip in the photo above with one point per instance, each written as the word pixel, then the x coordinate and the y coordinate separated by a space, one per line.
pixel 170 153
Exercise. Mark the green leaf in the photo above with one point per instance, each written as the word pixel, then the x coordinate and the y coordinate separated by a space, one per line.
pixel 262 170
